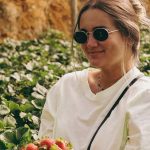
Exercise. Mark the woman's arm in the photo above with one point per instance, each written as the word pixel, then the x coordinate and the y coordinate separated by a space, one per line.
pixel 139 123
pixel 49 113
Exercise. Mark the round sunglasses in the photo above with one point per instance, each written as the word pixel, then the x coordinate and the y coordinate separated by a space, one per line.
pixel 99 34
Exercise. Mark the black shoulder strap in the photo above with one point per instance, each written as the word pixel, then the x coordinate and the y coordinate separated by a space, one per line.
pixel 112 108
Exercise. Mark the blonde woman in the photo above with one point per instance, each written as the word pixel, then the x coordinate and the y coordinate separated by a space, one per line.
pixel 108 107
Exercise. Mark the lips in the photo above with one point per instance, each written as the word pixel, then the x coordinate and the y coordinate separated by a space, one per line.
pixel 95 52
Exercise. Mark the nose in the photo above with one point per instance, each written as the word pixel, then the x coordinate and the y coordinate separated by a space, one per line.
pixel 91 41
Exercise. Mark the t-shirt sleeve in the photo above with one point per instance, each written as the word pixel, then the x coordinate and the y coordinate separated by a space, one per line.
pixel 139 122
pixel 49 112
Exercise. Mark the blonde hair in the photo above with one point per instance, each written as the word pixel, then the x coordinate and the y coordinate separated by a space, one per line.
pixel 127 15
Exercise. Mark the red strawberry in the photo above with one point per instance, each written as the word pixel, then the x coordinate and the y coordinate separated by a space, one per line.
pixel 61 144
pixel 31 146
pixel 47 142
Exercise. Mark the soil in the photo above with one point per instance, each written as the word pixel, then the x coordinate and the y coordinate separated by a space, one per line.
pixel 27 19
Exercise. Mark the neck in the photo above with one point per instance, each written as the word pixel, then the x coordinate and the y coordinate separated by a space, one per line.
pixel 116 71
pixel 107 77
pixel 103 78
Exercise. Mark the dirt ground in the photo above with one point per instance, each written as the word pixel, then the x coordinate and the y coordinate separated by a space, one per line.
pixel 27 19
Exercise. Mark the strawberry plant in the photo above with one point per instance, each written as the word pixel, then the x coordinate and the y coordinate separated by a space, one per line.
pixel 27 70
pixel 145 52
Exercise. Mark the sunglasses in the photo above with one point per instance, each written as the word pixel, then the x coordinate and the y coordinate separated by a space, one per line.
pixel 99 34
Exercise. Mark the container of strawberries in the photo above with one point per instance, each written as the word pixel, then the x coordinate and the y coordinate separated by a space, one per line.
pixel 48 144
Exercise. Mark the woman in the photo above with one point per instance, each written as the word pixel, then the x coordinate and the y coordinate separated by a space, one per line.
pixel 80 106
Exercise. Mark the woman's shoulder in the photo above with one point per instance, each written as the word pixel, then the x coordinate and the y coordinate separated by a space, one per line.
pixel 76 75
pixel 146 78
pixel 144 82
pixel 71 77
pixel 67 82
pixel 141 87
pixel 140 91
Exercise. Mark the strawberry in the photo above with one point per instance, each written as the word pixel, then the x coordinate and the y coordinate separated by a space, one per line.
pixel 61 144
pixel 31 146
pixel 47 142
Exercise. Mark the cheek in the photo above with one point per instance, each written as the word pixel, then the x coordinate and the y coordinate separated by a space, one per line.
pixel 115 49
pixel 115 43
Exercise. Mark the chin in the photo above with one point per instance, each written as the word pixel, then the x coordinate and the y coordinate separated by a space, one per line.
pixel 96 65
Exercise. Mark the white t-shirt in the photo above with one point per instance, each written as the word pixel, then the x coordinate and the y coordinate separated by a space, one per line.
pixel 73 112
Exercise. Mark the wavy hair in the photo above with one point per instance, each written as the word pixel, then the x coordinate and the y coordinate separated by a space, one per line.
pixel 127 15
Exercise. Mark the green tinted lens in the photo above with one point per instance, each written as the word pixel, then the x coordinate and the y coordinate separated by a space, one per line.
pixel 100 34
pixel 80 37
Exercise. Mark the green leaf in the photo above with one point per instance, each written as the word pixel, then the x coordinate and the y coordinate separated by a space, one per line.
pixel 20 132
pixel 13 106
pixel 27 107
pixel 9 136
pixel 23 135
pixel 10 121
pixel 7 146
pixel 35 120
pixel 4 110
pixel 2 145
pixel 38 103
pixel 2 125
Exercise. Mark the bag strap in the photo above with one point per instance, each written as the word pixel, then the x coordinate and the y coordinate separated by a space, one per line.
pixel 112 108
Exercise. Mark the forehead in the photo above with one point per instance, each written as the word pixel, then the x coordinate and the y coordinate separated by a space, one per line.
pixel 92 18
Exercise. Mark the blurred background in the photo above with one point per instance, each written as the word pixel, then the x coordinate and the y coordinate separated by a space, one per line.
pixel 26 19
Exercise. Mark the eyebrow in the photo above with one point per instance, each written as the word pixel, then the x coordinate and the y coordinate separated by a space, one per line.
pixel 95 28
pixel 100 27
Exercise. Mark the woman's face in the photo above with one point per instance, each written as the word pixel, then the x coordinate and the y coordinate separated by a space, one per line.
pixel 102 54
